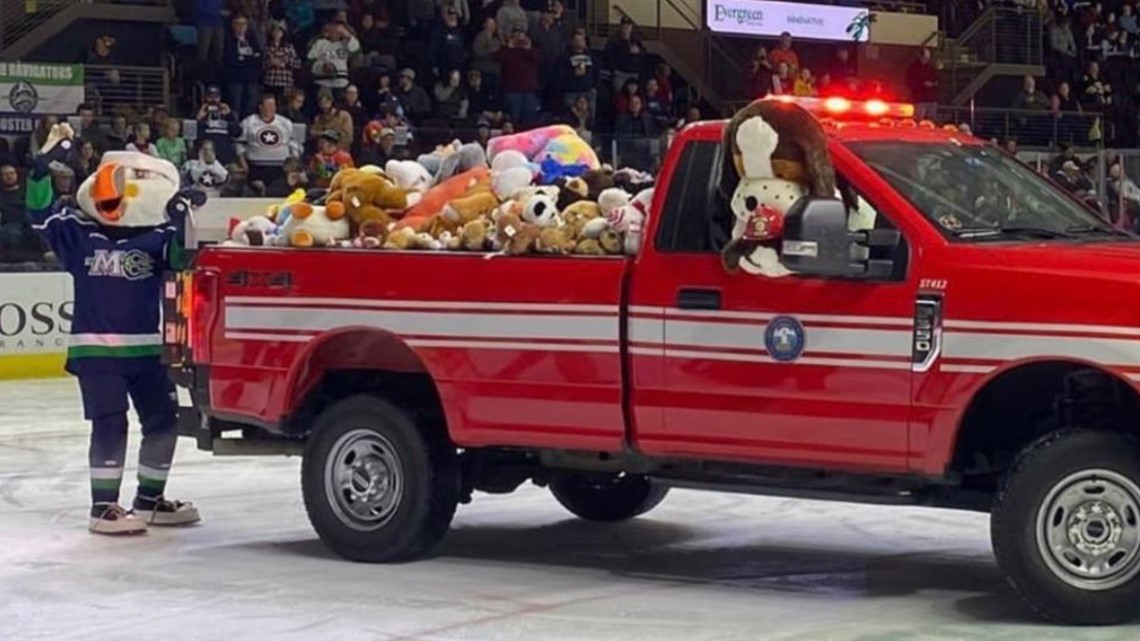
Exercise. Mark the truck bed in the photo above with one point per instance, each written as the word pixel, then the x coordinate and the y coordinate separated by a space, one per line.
pixel 502 337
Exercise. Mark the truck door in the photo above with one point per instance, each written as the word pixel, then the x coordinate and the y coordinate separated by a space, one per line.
pixel 796 370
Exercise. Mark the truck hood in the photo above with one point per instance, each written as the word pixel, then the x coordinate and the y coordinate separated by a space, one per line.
pixel 1048 282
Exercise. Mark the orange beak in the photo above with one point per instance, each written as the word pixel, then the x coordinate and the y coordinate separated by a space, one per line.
pixel 107 192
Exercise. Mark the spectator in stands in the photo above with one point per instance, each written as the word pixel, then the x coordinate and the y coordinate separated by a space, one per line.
pixel 578 75
pixel 330 53
pixel 353 106
pixel 581 118
pixel 107 80
pixel 294 107
pixel 84 159
pixel 550 39
pixel 483 53
pixel 206 171
pixel 378 144
pixel 657 105
pixel 631 88
pixel 379 42
pixel 511 18
pixel 119 134
pixel 329 159
pixel 377 10
pixel 382 98
pixel 1063 46
pixel 520 62
pixel 171 146
pixel 1097 92
pixel 1127 20
pixel 280 62
pixel 784 82
pixel 449 100
pixel 759 81
pixel 625 54
pixel 841 68
pixel 784 53
pixel 922 80
pixel 293 178
pixel 636 135
pixel 256 12
pixel 18 241
pixel 301 17
pixel 217 123
pixel 266 141
pixel 330 118
pixel 89 129
pixel 140 140
pixel 243 67
pixel 482 101
pixel 447 48
pixel 422 17
pixel 413 98
pixel 209 23
pixel 804 85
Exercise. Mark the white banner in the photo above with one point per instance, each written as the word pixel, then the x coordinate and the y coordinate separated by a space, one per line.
pixel 31 89
pixel 804 21
pixel 35 313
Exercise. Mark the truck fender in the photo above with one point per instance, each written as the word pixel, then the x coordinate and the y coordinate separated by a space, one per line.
pixel 347 348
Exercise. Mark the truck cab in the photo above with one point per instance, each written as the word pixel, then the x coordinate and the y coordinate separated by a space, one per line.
pixel 952 335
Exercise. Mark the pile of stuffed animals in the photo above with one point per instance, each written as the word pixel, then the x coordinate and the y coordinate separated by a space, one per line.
pixel 538 192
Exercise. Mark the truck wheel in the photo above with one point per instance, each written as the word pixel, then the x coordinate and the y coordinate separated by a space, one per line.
pixel 1066 527
pixel 377 488
pixel 607 497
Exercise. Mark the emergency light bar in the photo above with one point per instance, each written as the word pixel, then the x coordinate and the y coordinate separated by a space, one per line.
pixel 840 108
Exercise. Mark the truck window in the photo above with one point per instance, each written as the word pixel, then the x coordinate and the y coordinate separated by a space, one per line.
pixel 685 219
pixel 975 193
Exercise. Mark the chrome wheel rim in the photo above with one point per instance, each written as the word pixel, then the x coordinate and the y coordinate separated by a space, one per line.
pixel 364 480
pixel 1088 530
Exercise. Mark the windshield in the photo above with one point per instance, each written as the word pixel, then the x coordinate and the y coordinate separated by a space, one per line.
pixel 977 193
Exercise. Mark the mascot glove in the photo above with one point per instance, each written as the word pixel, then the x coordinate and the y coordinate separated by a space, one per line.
pixel 766 223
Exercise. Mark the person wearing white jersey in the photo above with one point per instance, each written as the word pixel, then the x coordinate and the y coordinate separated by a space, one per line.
pixel 330 53
pixel 266 141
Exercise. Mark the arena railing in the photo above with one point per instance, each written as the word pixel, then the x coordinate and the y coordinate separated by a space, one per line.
pixel 116 88
pixel 1043 129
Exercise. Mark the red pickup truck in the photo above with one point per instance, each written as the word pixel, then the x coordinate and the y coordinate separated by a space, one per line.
pixel 956 334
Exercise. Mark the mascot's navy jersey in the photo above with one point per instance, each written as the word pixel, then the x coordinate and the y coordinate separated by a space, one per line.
pixel 118 289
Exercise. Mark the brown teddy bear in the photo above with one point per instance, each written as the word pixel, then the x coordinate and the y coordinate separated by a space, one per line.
pixel 372 235
pixel 474 236
pixel 481 203
pixel 368 196
pixel 597 181
pixel 570 191
pixel 515 236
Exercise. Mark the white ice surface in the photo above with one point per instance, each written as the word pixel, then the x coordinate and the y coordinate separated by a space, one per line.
pixel 702 567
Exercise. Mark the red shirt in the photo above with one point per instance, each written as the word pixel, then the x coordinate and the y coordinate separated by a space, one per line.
pixel 777 55
pixel 325 167
pixel 520 69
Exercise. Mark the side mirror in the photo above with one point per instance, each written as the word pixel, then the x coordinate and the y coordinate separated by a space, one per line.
pixel 816 242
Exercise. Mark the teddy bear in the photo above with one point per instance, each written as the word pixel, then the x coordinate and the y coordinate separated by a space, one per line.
pixel 479 204
pixel 371 235
pixel 597 181
pixel 409 175
pixel 408 238
pixel 515 236
pixel 578 215
pixel 570 191
pixel 308 225
pixel 368 196
pixel 629 220
pixel 424 214
pixel 474 236
pixel 541 209
pixel 777 154
pixel 255 231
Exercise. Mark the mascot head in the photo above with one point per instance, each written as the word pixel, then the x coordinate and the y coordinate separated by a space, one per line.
pixel 129 189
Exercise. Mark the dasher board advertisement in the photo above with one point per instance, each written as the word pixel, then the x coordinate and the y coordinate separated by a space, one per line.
pixel 802 21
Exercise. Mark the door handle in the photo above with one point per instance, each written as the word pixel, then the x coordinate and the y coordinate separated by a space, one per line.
pixel 698 299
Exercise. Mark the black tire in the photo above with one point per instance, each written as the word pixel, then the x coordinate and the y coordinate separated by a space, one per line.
pixel 607 498
pixel 1061 478
pixel 413 523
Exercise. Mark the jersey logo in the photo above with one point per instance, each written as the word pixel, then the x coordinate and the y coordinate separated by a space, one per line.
pixel 269 137
pixel 784 339
pixel 132 264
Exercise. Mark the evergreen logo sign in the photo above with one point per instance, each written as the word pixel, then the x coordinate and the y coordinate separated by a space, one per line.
pixel 803 21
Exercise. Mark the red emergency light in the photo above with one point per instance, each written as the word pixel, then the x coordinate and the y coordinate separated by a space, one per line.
pixel 840 108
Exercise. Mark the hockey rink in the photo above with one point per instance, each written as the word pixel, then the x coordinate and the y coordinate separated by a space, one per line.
pixel 701 567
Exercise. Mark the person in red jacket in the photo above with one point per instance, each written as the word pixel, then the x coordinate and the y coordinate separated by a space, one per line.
pixel 520 62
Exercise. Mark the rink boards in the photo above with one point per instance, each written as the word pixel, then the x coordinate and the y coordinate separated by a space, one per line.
pixel 35 307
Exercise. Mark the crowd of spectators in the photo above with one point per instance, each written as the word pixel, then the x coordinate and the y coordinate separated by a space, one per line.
pixel 282 93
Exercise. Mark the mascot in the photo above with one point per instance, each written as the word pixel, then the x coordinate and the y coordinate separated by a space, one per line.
pixel 116 244
pixel 777 153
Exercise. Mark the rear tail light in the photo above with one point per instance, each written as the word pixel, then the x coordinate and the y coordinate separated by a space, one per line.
pixel 185 335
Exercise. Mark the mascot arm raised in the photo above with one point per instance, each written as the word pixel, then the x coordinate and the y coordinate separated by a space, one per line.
pixel 178 211
pixel 60 226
